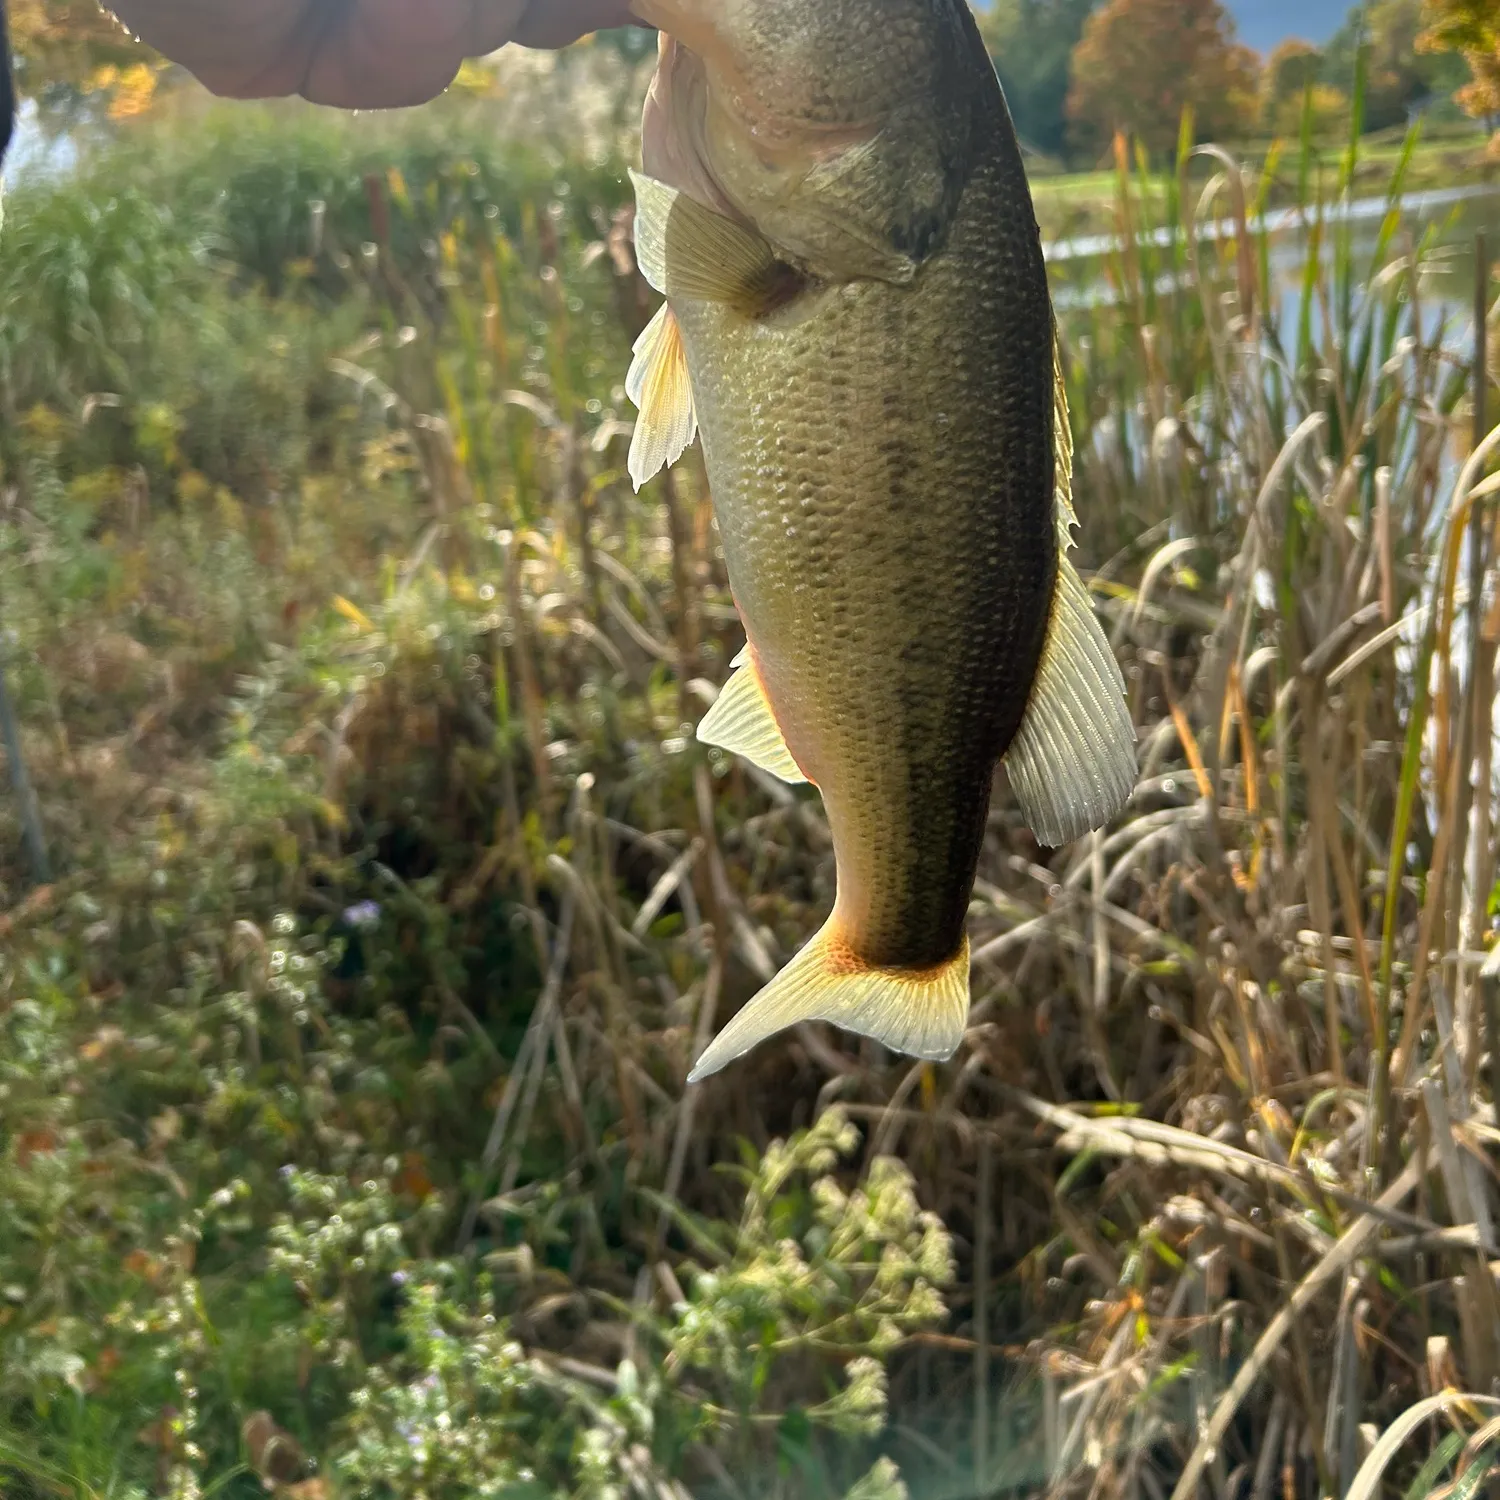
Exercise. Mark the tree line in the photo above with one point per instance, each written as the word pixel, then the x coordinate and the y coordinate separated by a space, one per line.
pixel 1074 71
pixel 1077 71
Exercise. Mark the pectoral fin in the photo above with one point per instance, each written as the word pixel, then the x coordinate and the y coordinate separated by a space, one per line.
pixel 687 250
pixel 1072 762
pixel 659 385
pixel 742 722
pixel 920 1012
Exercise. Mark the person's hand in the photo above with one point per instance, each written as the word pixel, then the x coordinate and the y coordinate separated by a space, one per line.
pixel 358 54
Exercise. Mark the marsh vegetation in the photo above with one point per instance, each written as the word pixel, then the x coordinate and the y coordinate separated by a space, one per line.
pixel 344 1148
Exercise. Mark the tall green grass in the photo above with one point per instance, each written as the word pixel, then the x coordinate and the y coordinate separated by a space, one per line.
pixel 345 1141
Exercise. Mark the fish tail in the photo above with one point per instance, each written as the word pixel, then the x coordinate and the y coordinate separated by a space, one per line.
pixel 921 1012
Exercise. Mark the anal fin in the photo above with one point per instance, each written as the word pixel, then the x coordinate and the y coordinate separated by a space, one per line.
pixel 660 386
pixel 743 722
pixel 920 1012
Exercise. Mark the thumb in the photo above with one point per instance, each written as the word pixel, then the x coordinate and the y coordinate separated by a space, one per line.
pixel 555 23
pixel 493 23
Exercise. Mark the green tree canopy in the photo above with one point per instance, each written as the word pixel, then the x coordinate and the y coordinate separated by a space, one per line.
pixel 1032 43
pixel 1398 76
pixel 1291 68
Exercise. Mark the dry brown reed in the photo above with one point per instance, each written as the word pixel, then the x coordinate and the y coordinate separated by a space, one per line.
pixel 1219 1149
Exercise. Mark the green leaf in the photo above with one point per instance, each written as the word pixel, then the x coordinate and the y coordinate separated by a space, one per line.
pixel 1371 1475
pixel 1435 1467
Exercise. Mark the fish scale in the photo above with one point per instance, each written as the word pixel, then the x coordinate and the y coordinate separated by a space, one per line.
pixel 895 703
pixel 886 445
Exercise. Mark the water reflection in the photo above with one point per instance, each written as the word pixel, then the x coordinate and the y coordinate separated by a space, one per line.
pixel 35 152
pixel 1082 281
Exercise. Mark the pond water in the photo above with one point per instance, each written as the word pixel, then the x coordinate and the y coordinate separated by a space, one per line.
pixel 34 153
pixel 1078 266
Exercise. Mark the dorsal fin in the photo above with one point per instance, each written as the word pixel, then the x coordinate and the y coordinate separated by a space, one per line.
pixel 1062 448
pixel 1072 762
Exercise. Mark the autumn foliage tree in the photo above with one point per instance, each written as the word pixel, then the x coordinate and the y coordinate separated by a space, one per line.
pixel 1293 73
pixel 1471 28
pixel 1140 62
pixel 1291 69
pixel 67 51
pixel 1381 37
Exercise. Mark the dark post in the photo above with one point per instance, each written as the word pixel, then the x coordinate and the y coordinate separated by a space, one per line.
pixel 10 730
pixel 31 820
pixel 7 89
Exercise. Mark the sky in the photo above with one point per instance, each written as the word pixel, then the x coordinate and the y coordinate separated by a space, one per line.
pixel 1263 23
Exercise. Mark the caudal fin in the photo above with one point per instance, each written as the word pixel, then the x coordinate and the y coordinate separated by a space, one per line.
pixel 921 1012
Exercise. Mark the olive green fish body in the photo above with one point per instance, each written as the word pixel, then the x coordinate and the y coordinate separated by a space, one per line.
pixel 858 324
pixel 882 470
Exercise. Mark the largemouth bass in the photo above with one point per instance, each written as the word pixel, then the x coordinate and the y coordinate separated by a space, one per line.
pixel 857 321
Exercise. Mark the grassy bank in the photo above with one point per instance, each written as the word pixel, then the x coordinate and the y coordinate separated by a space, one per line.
pixel 1070 204
pixel 343 1135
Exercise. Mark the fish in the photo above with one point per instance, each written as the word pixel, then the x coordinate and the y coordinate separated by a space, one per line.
pixel 857 324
